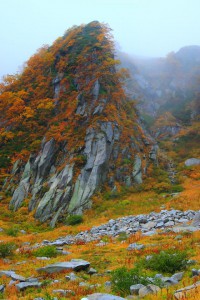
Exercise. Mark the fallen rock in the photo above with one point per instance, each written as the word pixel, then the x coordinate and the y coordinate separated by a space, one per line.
pixel 99 296
pixel 74 264
pixel 177 276
pixel 12 275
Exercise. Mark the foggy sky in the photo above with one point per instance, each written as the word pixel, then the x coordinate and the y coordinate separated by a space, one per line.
pixel 141 27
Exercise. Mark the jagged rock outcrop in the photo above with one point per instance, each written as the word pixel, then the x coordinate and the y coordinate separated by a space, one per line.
pixel 95 137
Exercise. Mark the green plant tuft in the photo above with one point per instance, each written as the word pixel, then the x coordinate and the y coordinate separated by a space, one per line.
pixel 47 251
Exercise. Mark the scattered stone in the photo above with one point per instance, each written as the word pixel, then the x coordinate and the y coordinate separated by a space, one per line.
pixel 147 224
pixel 178 237
pixel 83 283
pixel 134 289
pixel 74 264
pixel 43 258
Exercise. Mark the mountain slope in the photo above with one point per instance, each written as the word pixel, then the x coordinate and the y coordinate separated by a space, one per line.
pixel 168 93
pixel 71 96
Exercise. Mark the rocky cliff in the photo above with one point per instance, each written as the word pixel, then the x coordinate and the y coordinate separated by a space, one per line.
pixel 92 136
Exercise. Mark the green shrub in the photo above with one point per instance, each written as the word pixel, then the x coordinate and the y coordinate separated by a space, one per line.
pixel 123 278
pixel 12 231
pixel 74 219
pixel 47 251
pixel 6 249
pixel 167 261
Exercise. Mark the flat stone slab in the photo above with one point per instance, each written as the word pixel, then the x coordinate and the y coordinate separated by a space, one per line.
pixel 24 285
pixel 99 296
pixel 74 264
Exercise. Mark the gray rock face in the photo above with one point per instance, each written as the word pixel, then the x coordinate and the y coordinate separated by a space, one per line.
pixel 54 191
pixel 134 289
pixel 196 220
pixel 74 264
pixel 192 162
pixel 99 296
pixel 22 190
pixel 182 293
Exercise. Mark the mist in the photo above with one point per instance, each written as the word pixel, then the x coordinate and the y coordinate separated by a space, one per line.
pixel 141 27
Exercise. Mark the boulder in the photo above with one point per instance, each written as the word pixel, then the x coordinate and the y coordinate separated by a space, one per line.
pixel 12 275
pixel 135 246
pixel 74 264
pixel 99 296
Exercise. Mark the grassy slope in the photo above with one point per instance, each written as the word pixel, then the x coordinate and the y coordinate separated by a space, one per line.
pixel 110 256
